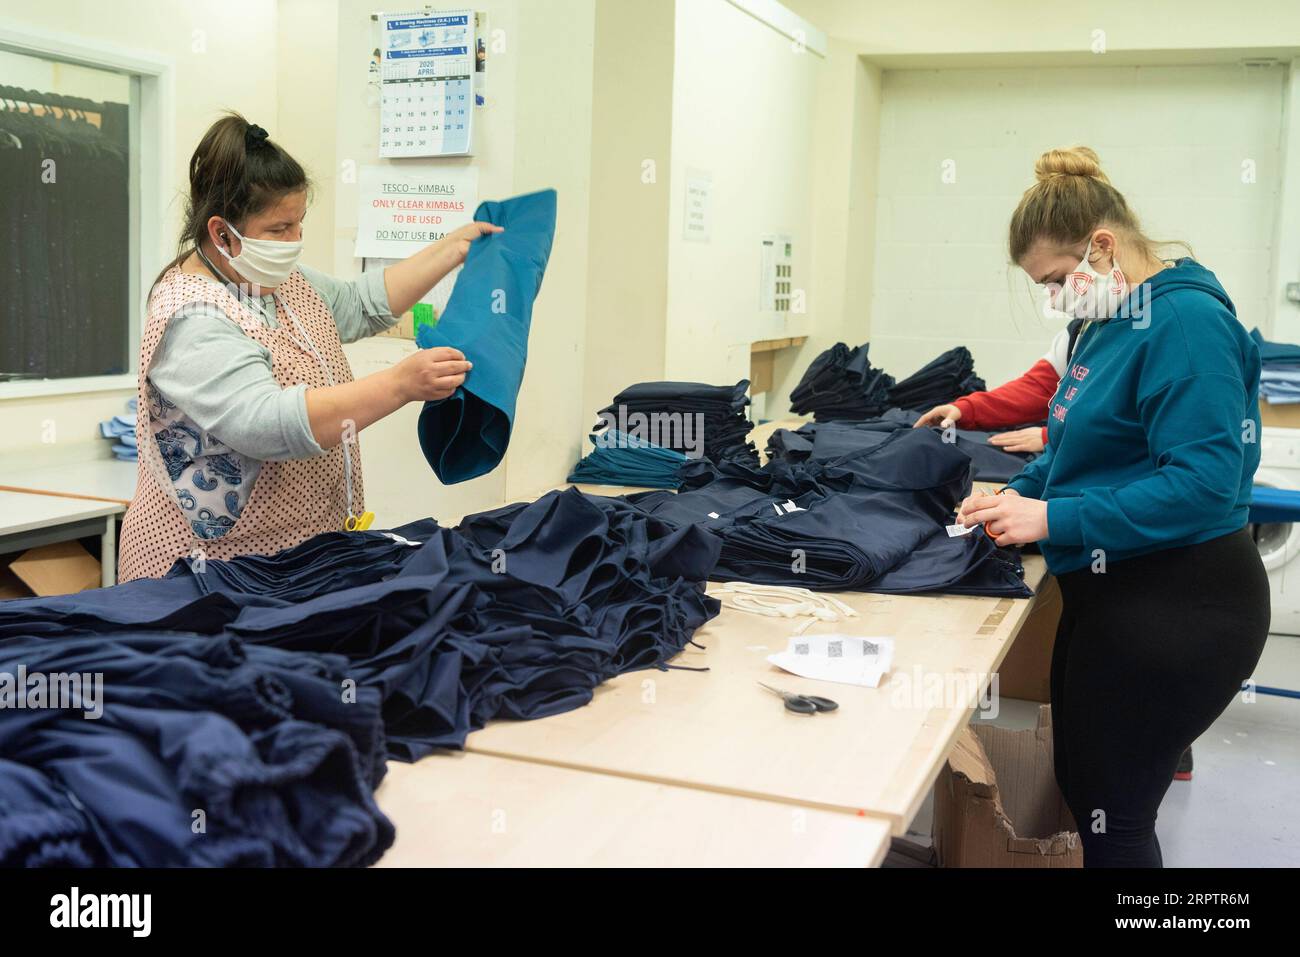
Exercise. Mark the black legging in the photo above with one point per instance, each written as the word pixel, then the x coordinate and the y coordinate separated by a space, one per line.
pixel 1147 655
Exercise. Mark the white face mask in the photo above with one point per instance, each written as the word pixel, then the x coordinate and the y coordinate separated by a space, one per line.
pixel 264 262
pixel 1088 294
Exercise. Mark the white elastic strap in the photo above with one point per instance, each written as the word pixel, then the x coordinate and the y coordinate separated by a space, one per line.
pixel 784 601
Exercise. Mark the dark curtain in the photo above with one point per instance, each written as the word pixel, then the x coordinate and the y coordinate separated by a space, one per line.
pixel 64 238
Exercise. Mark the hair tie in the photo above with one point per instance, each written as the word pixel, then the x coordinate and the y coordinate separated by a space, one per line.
pixel 254 138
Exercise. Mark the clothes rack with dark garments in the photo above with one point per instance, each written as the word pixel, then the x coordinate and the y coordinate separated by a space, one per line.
pixel 488 318
pixel 63 208
pixel 840 384
pixel 693 418
pixel 946 377
pixel 870 519
pixel 823 441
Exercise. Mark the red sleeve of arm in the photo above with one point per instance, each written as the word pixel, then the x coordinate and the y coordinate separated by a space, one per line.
pixel 1018 401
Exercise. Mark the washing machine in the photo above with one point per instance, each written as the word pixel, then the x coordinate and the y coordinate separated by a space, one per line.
pixel 1279 544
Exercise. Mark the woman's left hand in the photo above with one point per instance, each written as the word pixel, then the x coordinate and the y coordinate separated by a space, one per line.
pixel 1021 440
pixel 1007 519
pixel 457 241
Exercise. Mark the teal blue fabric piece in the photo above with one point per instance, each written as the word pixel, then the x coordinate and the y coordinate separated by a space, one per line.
pixel 487 318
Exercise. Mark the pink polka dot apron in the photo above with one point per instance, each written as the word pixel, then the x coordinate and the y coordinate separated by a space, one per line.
pixel 292 500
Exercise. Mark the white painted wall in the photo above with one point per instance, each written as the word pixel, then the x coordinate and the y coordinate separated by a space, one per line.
pixel 535 133
pixel 870 38
pixel 742 98
pixel 1034 26
pixel 1172 139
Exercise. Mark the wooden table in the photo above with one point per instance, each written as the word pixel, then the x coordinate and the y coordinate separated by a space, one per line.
pixel 631 777
pixel 459 810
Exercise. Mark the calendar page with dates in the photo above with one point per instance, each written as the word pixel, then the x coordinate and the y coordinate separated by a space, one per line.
pixel 426 104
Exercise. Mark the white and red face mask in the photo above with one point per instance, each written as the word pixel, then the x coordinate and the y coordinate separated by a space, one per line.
pixel 1088 294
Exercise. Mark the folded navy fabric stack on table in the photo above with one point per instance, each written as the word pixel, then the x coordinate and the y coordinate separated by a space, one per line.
pixel 1279 378
pixel 840 384
pixel 223 681
pixel 822 441
pixel 620 459
pixel 942 379
pixel 869 518
pixel 693 418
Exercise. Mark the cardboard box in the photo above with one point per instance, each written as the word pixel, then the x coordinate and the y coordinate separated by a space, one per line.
pixel 1026 671
pixel 11 586
pixel 996 803
pixel 1279 416
pixel 59 569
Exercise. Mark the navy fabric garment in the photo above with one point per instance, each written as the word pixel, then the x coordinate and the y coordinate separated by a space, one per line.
pixel 841 384
pixel 696 419
pixel 488 318
pixel 40 825
pixel 518 614
pixel 946 377
pixel 620 459
pixel 283 772
pixel 870 519
pixel 823 441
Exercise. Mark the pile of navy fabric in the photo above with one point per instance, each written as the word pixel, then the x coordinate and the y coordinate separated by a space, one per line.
pixel 168 749
pixel 872 518
pixel 824 441
pixel 620 459
pixel 693 418
pixel 944 378
pixel 223 680
pixel 840 384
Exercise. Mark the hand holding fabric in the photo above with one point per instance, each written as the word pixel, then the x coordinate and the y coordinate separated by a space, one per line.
pixel 1008 518
pixel 432 374
pixel 944 416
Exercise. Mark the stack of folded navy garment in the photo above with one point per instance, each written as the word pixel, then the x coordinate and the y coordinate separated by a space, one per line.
pixel 620 459
pixel 823 441
pixel 871 517
pixel 944 378
pixel 698 420
pixel 840 384
pixel 1279 378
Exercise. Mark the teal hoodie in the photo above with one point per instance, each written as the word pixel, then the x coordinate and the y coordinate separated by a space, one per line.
pixel 1153 434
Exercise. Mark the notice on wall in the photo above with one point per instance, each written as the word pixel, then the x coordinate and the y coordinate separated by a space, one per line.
pixel 427 72
pixel 403 209
pixel 697 223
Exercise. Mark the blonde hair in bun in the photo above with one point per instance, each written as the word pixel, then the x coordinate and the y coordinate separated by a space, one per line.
pixel 1073 161
pixel 1071 199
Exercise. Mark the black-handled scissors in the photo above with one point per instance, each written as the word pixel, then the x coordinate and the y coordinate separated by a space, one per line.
pixel 803 703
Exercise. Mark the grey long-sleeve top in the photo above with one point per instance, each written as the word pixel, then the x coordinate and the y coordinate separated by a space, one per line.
pixel 231 393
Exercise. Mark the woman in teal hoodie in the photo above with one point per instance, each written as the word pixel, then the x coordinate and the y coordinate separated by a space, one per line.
pixel 1139 504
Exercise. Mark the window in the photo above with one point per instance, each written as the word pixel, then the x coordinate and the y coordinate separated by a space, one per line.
pixel 65 214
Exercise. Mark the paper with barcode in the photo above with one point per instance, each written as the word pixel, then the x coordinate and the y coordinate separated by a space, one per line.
pixel 847 659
